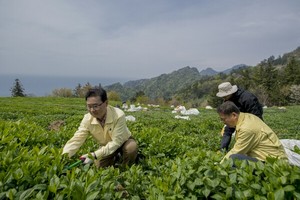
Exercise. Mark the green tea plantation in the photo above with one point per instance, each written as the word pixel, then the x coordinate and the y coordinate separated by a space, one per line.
pixel 178 159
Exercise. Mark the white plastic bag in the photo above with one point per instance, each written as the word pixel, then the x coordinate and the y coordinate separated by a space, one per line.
pixel 289 145
pixel 130 118
pixel 182 117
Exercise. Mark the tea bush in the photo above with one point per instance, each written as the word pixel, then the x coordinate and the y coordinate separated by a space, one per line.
pixel 179 157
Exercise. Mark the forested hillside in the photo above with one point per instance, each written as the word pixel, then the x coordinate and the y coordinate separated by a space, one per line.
pixel 163 86
pixel 276 81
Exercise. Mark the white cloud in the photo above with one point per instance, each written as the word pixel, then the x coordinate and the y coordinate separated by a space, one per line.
pixel 142 39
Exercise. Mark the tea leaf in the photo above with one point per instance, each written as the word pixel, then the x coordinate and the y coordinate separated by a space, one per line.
pixel 279 194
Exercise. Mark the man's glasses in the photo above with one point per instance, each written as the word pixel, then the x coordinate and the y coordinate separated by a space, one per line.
pixel 95 106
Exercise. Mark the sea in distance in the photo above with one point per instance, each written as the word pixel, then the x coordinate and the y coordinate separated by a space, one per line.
pixel 44 85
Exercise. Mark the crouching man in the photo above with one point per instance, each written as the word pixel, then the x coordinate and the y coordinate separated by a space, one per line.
pixel 254 140
pixel 107 125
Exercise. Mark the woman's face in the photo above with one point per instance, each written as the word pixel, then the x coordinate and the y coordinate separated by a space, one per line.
pixel 96 107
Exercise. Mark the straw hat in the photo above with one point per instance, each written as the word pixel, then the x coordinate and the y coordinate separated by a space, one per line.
pixel 226 89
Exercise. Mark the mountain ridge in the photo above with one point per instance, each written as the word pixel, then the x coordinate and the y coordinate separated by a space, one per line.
pixel 163 85
pixel 166 85
pixel 211 72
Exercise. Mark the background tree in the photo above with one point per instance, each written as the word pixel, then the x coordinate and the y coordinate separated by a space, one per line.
pixel 143 99
pixel 292 72
pixel 269 79
pixel 113 96
pixel 160 101
pixel 78 91
pixel 137 94
pixel 261 94
pixel 243 78
pixel 86 87
pixel 62 92
pixel 17 90
pixel 212 99
pixel 295 94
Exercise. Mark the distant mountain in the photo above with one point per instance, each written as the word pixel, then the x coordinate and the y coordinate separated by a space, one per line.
pixel 164 85
pixel 283 60
pixel 240 66
pixel 132 84
pixel 211 72
pixel 185 81
pixel 295 54
pixel 124 92
pixel 208 72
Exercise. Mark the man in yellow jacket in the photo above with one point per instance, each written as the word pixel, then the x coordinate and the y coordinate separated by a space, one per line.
pixel 254 139
pixel 107 125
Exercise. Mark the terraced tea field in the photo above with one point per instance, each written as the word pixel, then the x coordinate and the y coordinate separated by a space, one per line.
pixel 178 156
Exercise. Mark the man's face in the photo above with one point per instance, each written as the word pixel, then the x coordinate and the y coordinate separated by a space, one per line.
pixel 230 120
pixel 227 97
pixel 96 107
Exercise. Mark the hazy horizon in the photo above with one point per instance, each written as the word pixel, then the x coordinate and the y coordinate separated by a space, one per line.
pixel 41 85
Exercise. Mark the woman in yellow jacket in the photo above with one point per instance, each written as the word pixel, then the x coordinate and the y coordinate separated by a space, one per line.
pixel 254 140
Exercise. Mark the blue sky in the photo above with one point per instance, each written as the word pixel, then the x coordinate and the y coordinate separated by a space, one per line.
pixel 142 39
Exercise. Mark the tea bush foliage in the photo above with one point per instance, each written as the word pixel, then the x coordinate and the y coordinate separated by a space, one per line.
pixel 179 158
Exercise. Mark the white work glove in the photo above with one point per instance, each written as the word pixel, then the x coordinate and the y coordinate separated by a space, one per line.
pixel 86 159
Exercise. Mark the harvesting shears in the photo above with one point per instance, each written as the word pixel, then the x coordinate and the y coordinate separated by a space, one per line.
pixel 75 164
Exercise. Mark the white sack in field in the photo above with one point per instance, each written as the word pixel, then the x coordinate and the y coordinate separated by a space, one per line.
pixel 182 117
pixel 134 109
pixel 289 145
pixel 192 111
pixel 179 109
pixel 182 110
pixel 130 118
pixel 208 107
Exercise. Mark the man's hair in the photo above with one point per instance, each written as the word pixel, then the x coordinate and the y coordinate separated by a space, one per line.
pixel 96 92
pixel 227 108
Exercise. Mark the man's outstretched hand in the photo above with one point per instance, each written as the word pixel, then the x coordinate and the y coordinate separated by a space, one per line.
pixel 86 158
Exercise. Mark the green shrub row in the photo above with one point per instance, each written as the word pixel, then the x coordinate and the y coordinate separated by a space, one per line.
pixel 178 159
